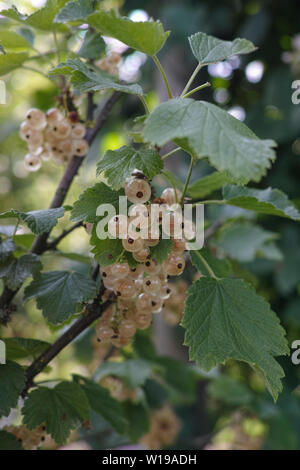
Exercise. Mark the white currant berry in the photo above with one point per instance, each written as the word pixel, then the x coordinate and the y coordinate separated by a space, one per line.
pixel 36 119
pixel 124 288
pixel 189 229
pixel 165 291
pixel 151 266
pixel 80 147
pixel 32 162
pixel 25 131
pixel 136 272
pixel 54 115
pixel 138 190
pixel 174 265
pixel 78 130
pixel 179 245
pixel 152 284
pixel 142 255
pixel 117 226
pixel 120 270
pixel 104 333
pixel 61 129
pixel 65 148
pixel 127 328
pixel 129 244
pixel 143 320
pixel 169 196
pixel 143 302
pixel 157 303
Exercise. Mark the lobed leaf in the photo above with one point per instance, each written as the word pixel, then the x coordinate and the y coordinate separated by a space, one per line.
pixel 12 383
pixel 14 271
pixel 75 10
pixel 37 221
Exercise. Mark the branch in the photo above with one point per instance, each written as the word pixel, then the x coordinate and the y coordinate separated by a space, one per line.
pixel 92 313
pixel 39 245
pixel 56 241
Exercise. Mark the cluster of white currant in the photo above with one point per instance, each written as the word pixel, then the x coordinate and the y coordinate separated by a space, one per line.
pixel 51 135
pixel 164 429
pixel 174 305
pixel 110 63
pixel 118 389
pixel 141 290
pixel 30 439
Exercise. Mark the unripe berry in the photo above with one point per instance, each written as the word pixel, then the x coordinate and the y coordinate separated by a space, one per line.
pixel 80 147
pixel 138 190
pixel 32 162
pixel 36 119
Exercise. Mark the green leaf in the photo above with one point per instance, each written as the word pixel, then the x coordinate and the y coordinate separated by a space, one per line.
pixel 21 348
pixel 107 251
pixel 244 241
pixel 267 201
pixel 92 47
pixel 89 78
pixel 225 319
pixel 208 131
pixel 208 184
pixel 221 267
pixel 148 37
pixel 15 270
pixel 208 49
pixel 44 18
pixel 103 404
pixel 161 251
pixel 173 179
pixel 75 10
pixel 138 418
pixel 9 442
pixel 59 292
pixel 84 209
pixel 230 391
pixel 60 409
pixel 179 376
pixel 11 61
pixel 134 372
pixel 12 40
pixel 38 221
pixel 7 247
pixel 12 383
pixel 117 165
pixel 2 49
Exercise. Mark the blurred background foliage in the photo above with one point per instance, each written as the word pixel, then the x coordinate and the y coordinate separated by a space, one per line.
pixel 231 408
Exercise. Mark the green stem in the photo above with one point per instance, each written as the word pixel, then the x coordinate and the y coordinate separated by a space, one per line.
pixel 205 85
pixel 56 46
pixel 203 261
pixel 188 179
pixel 166 155
pixel 16 227
pixel 216 201
pixel 160 68
pixel 187 86
pixel 144 104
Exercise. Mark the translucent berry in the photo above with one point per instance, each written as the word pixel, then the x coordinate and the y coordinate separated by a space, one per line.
pixel 65 148
pixel 179 245
pixel 165 291
pixel 169 196
pixel 54 115
pixel 141 255
pixel 143 320
pixel 36 119
pixel 32 162
pixel 152 284
pixel 143 303
pixel 117 226
pixel 174 265
pixel 157 304
pixel 129 244
pixel 124 288
pixel 120 270
pixel 104 333
pixel 152 266
pixel 61 129
pixel 80 147
pixel 138 190
pixel 127 328
pixel 78 130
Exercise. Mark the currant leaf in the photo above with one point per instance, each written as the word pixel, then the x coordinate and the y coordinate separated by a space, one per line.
pixel 14 271
pixel 225 319
pixel 266 201
pixel 117 165
pixel 207 131
pixel 75 10
pixel 12 383
pixel 208 184
pixel 11 61
pixel 58 293
pixel 133 372
pixel 37 221
pixel 209 49
pixel 60 409
pixel 145 36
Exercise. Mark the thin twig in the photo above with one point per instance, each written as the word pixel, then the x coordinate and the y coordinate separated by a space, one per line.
pixel 56 241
